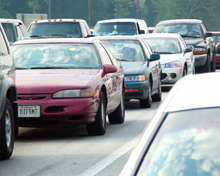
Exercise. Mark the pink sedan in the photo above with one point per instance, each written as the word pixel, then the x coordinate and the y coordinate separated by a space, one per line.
pixel 66 82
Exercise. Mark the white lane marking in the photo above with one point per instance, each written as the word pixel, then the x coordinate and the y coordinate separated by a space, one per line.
pixel 95 169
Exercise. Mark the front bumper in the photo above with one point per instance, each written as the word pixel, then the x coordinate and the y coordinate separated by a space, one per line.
pixel 142 92
pixel 171 75
pixel 55 112
pixel 200 60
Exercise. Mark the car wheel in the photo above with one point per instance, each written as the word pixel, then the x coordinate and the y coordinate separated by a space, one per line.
pixel 99 126
pixel 158 96
pixel 7 131
pixel 146 103
pixel 207 66
pixel 118 116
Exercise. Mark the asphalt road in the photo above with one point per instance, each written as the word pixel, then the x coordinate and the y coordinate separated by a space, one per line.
pixel 62 152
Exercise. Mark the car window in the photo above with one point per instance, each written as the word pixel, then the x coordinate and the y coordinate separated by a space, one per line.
pixel 103 55
pixel 55 29
pixel 164 45
pixel 186 144
pixel 8 27
pixel 216 38
pixel 116 28
pixel 125 50
pixel 74 56
pixel 3 45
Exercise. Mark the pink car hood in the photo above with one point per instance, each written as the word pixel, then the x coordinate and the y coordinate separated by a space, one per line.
pixel 53 80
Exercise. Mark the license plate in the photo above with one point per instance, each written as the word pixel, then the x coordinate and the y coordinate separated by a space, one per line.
pixel 29 111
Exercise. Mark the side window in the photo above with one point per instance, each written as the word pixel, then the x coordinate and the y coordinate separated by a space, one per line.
pixel 183 43
pixel 20 34
pixel 147 49
pixel 103 55
pixel 83 28
pixel 143 26
pixel 3 45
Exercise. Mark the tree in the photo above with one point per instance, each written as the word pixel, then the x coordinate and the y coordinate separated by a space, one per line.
pixel 3 12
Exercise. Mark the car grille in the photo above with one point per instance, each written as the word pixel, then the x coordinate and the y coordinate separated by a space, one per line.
pixel 31 98
pixel 54 109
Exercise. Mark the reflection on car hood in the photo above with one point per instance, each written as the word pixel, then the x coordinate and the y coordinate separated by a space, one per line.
pixel 50 81
pixel 193 42
pixel 166 58
pixel 131 68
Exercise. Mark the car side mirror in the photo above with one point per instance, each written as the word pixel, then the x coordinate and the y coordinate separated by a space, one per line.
pixel 154 57
pixel 187 50
pixel 108 68
pixel 208 34
pixel 217 48
pixel 142 31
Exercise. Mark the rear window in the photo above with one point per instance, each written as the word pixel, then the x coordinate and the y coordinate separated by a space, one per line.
pixel 55 29
pixel 117 28
pixel 187 144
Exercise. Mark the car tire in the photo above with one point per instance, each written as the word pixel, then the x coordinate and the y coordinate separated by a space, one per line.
pixel 213 67
pixel 184 72
pixel 207 66
pixel 158 96
pixel 118 116
pixel 7 131
pixel 99 126
pixel 146 103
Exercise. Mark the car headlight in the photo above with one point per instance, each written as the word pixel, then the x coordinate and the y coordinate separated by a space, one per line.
pixel 198 51
pixel 135 78
pixel 73 93
pixel 172 64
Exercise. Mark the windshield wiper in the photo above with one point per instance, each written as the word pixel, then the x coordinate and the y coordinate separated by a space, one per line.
pixel 190 36
pixel 21 68
pixel 163 52
pixel 48 67
pixel 60 35
pixel 39 36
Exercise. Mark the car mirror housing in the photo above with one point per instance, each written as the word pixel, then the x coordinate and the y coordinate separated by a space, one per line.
pixel 208 34
pixel 142 31
pixel 109 68
pixel 187 50
pixel 217 48
pixel 154 57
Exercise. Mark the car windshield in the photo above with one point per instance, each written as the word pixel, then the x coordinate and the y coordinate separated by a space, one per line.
pixel 125 50
pixel 184 29
pixel 55 29
pixel 164 45
pixel 117 28
pixel 8 28
pixel 187 144
pixel 37 56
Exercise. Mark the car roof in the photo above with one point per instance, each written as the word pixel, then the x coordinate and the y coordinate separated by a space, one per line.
pixel 127 37
pixel 119 20
pixel 160 35
pixel 180 21
pixel 56 40
pixel 4 20
pixel 195 92
pixel 57 20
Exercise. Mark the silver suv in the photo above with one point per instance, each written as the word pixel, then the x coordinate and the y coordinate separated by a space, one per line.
pixel 8 99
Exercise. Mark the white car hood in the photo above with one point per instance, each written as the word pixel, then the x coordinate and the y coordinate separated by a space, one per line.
pixel 166 58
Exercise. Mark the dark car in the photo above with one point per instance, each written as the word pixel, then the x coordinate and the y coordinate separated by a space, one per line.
pixel 14 29
pixel 183 136
pixel 66 82
pixel 194 33
pixel 216 39
pixel 141 65
pixel 59 28
pixel 8 99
